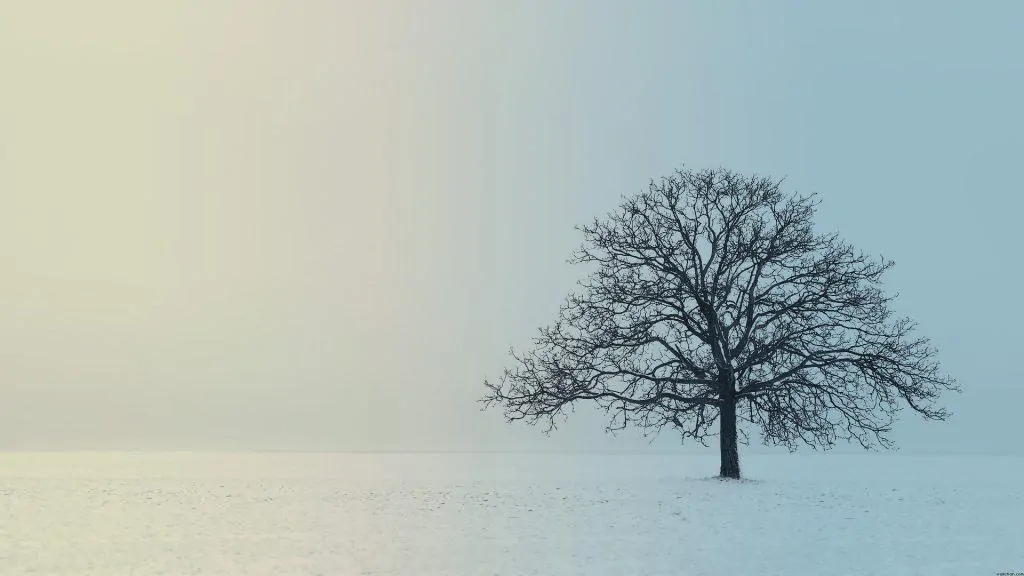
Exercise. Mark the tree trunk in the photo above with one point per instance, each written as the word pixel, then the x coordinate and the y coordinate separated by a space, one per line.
pixel 730 451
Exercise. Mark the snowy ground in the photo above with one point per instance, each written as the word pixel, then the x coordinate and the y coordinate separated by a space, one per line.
pixel 813 514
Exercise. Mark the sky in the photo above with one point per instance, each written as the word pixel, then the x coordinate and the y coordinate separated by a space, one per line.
pixel 318 225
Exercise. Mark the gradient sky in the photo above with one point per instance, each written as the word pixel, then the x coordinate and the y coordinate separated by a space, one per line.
pixel 256 224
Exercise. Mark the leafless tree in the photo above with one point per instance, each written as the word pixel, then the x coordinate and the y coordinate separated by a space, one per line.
pixel 712 298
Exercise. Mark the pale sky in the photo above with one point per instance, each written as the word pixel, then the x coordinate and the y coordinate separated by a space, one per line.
pixel 317 225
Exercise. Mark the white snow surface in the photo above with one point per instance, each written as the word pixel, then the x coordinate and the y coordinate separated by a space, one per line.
pixel 507 514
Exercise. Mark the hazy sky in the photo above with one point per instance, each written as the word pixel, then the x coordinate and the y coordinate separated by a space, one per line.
pixel 318 225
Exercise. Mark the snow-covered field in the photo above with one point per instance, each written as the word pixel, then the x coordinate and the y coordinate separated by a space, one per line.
pixel 252 514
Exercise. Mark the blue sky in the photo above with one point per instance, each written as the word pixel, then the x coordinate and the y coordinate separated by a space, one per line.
pixel 259 225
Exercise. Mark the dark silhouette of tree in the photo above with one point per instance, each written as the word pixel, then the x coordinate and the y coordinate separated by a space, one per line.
pixel 711 299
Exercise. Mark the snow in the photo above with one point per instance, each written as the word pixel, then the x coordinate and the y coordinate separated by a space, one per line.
pixel 475 514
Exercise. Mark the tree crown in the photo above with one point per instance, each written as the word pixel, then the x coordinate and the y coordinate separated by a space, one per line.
pixel 712 287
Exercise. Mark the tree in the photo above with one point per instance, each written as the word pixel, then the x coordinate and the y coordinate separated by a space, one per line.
pixel 712 298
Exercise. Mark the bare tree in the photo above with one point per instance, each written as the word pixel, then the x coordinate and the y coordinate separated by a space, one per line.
pixel 713 298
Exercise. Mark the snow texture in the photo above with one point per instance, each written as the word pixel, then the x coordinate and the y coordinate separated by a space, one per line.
pixel 501 514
